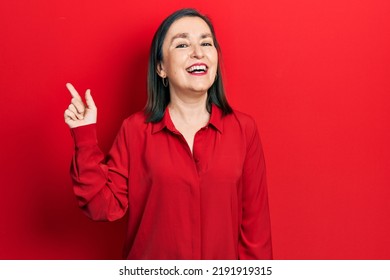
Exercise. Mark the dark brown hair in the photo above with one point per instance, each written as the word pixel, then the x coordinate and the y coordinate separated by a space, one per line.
pixel 158 95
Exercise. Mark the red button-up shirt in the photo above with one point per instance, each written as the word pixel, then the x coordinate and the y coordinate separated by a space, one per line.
pixel 209 204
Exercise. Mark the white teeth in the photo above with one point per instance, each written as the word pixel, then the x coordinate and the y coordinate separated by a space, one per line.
pixel 197 68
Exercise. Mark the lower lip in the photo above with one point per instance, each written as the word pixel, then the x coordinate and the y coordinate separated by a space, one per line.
pixel 198 73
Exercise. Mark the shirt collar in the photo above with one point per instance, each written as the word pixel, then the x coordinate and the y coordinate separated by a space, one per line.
pixel 216 118
pixel 166 121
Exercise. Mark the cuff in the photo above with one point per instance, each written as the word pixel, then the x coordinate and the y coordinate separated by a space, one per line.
pixel 84 135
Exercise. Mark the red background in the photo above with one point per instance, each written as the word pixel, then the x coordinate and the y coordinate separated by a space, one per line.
pixel 314 74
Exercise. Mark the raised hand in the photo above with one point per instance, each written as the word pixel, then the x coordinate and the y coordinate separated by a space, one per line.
pixel 78 113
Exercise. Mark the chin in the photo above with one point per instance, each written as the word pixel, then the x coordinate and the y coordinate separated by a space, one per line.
pixel 200 90
pixel 202 87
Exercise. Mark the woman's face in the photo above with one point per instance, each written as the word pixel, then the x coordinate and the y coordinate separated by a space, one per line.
pixel 190 59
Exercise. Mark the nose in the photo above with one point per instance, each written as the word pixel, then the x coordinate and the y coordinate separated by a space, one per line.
pixel 197 52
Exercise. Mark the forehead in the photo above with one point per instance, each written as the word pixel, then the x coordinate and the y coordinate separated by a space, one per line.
pixel 191 25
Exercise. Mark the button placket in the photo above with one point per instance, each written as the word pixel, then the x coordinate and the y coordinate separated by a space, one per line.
pixel 197 149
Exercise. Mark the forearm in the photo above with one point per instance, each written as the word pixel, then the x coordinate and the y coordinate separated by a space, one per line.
pixel 99 187
pixel 255 229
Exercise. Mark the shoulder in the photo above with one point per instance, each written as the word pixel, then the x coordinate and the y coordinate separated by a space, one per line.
pixel 134 124
pixel 244 125
pixel 245 121
pixel 249 129
pixel 243 118
pixel 137 119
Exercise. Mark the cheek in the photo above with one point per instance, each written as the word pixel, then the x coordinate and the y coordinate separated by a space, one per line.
pixel 214 57
pixel 174 63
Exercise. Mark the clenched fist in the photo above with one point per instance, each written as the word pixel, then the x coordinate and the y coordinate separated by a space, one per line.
pixel 79 113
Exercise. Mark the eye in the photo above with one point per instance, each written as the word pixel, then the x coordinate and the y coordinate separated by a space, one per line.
pixel 207 44
pixel 180 46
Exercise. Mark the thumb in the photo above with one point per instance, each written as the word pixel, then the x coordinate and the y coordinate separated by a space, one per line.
pixel 89 100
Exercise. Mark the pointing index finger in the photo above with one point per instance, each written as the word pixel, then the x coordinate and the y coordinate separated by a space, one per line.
pixel 73 91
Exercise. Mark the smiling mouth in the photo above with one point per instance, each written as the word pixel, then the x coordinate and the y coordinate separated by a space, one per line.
pixel 197 69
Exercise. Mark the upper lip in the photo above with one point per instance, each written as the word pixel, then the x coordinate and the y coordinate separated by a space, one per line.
pixel 197 64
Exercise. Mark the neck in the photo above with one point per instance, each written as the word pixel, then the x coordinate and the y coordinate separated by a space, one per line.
pixel 189 110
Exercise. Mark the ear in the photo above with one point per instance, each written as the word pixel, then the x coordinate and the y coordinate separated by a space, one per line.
pixel 160 70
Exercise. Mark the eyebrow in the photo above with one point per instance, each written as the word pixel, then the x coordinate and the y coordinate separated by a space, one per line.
pixel 186 35
pixel 206 35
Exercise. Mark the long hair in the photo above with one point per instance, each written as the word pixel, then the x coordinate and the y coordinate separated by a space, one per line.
pixel 158 95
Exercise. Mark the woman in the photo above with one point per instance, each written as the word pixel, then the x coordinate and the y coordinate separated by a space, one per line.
pixel 189 169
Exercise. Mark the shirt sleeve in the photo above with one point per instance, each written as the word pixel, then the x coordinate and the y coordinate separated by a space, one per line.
pixel 255 230
pixel 99 182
